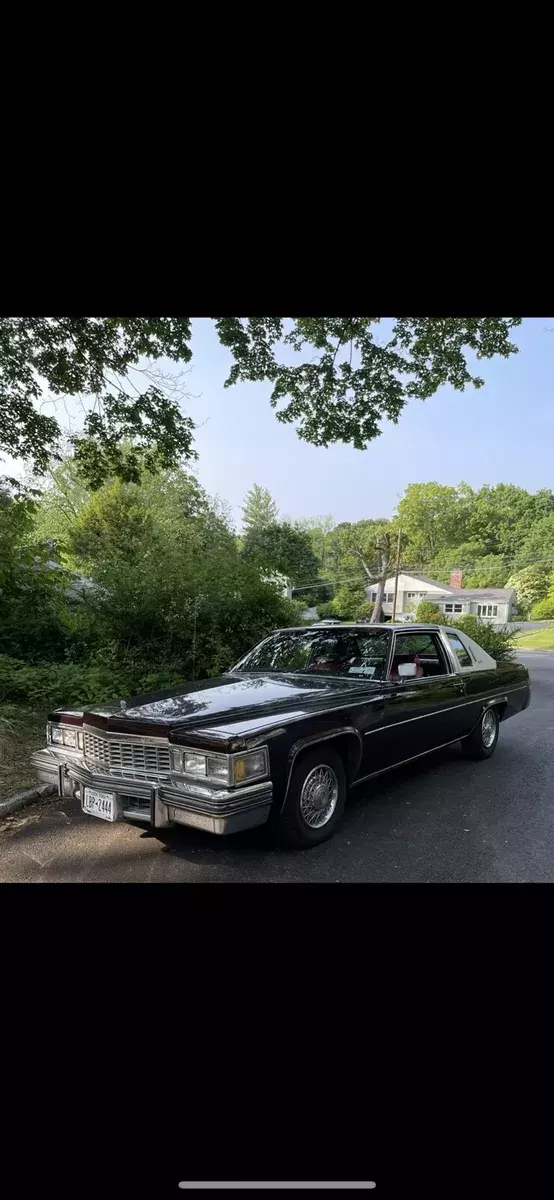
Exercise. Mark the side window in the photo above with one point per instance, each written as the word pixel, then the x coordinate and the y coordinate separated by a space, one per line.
pixel 423 649
pixel 459 650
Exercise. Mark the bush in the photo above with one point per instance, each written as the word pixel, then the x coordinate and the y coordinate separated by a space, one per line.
pixel 428 612
pixel 499 643
pixel 326 610
pixel 364 611
pixel 543 610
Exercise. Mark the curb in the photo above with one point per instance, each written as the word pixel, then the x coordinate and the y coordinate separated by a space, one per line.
pixel 20 799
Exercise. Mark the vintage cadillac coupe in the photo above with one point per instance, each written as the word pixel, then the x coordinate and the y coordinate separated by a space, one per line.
pixel 282 735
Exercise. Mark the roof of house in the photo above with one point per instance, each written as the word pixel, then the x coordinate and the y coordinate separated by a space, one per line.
pixel 422 579
pixel 476 594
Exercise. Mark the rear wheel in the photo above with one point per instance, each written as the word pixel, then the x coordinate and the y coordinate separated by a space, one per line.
pixel 315 799
pixel 482 742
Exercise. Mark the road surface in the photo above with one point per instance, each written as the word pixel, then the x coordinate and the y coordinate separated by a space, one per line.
pixel 442 819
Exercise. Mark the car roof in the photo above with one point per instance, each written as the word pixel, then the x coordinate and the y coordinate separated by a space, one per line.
pixel 407 627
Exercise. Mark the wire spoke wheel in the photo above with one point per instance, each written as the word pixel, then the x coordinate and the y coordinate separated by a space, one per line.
pixel 319 796
pixel 488 728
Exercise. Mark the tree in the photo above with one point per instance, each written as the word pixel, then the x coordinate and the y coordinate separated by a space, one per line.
pixel 347 382
pixel 502 517
pixel 283 549
pixel 71 356
pixel 336 399
pixel 432 517
pixel 349 602
pixel 531 584
pixel 364 548
pixel 259 510
pixel 318 530
pixel 538 544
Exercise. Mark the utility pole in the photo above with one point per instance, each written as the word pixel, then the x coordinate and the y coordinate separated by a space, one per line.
pixel 396 577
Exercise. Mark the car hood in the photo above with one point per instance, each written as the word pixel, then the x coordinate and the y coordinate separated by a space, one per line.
pixel 210 701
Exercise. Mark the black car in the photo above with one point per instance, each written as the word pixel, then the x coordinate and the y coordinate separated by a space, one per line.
pixel 282 735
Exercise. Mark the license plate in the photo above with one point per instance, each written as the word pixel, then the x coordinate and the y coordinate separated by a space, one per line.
pixel 100 804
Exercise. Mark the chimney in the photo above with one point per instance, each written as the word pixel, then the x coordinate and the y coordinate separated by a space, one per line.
pixel 456 578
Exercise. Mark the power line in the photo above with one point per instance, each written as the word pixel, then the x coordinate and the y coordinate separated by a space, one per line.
pixel 467 567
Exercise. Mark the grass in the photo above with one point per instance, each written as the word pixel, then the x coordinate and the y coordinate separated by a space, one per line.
pixel 536 639
pixel 22 730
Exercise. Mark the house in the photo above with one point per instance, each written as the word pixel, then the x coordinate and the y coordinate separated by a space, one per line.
pixel 496 605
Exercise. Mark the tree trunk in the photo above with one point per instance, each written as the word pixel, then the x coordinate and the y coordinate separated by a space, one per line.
pixel 376 614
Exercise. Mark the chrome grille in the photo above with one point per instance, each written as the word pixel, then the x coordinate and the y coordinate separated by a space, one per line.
pixel 128 759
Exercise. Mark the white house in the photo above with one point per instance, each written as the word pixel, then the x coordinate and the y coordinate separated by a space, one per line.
pixel 496 605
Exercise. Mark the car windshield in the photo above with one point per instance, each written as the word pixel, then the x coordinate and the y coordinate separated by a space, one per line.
pixel 356 653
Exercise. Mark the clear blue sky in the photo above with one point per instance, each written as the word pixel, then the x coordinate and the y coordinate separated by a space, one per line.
pixel 501 433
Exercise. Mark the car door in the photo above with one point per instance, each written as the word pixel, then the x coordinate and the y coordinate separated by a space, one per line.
pixel 421 713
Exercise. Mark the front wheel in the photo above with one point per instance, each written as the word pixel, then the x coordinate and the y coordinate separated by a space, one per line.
pixel 482 742
pixel 315 799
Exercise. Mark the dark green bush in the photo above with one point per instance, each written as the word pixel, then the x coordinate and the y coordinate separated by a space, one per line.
pixel 426 611
pixel 543 610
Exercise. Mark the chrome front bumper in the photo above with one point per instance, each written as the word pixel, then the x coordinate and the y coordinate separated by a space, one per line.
pixel 163 802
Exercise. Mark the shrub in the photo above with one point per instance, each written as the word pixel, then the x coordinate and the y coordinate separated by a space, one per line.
pixel 499 643
pixel 326 610
pixel 543 610
pixel 364 611
pixel 428 612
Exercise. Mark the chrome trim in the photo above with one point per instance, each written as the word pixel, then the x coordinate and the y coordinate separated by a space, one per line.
pixel 180 751
pixel 308 742
pixel 121 758
pixel 486 701
pixel 117 735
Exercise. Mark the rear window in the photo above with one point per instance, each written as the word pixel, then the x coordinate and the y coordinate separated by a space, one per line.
pixel 460 651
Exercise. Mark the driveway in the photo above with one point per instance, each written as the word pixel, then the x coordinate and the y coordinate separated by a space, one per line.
pixel 442 819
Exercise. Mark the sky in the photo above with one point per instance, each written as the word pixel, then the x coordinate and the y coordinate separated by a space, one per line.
pixel 502 432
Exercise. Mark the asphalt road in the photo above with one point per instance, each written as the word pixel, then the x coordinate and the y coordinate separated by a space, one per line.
pixel 444 819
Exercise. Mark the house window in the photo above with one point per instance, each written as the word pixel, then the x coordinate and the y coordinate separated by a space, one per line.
pixel 390 597
pixel 374 596
pixel 448 608
pixel 494 610
pixel 458 608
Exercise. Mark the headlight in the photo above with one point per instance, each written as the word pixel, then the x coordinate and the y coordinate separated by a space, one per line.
pixel 63 735
pixel 250 766
pixel 194 764
pixel 227 769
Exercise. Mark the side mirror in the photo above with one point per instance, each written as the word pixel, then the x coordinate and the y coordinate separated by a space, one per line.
pixel 407 670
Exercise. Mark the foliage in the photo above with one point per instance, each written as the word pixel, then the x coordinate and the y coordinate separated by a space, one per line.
pixel 318 530
pixel 349 601
pixel 538 543
pixel 92 355
pixel 364 612
pixel 499 642
pixel 312 597
pixel 363 546
pixel 281 548
pixel 531 584
pixel 35 619
pixel 427 612
pixel 432 518
pixel 348 379
pixel 337 399
pixel 325 610
pixel 543 610
pixel 259 509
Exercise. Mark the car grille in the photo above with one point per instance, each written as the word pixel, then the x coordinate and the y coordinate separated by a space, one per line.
pixel 129 759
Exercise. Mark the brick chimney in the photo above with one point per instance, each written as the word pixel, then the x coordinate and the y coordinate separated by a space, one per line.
pixel 456 578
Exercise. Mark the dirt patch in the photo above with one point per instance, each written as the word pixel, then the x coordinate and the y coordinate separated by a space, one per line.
pixel 28 815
